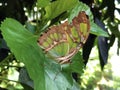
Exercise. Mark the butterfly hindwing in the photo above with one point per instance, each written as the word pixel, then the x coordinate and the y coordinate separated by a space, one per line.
pixel 63 41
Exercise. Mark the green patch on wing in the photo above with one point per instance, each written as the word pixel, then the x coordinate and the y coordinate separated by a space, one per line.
pixel 83 28
pixel 59 50
pixel 74 33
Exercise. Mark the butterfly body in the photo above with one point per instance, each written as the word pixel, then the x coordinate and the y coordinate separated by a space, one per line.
pixel 62 42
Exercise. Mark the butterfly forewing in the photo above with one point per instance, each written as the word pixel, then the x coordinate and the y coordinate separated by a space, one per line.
pixel 82 25
pixel 63 41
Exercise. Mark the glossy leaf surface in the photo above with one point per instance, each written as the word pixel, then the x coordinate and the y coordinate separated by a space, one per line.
pixel 45 74
pixel 22 43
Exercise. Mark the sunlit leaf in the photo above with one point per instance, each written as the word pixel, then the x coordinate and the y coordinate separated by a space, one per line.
pixel 43 3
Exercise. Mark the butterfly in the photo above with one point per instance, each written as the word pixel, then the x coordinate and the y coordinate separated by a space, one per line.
pixel 62 42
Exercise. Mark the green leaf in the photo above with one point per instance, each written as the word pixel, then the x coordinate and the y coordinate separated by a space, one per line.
pixel 96 30
pixel 45 73
pixel 56 78
pixel 78 8
pixel 93 27
pixel 56 8
pixel 30 27
pixel 76 86
pixel 42 3
pixel 23 44
pixel 77 64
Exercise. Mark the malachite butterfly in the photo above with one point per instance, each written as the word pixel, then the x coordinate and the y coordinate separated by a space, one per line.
pixel 62 42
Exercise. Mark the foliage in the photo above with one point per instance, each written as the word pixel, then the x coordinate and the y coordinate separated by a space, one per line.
pixel 22 42
pixel 94 78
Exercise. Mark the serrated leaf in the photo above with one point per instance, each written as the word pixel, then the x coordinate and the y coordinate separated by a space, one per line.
pixel 45 74
pixel 23 44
